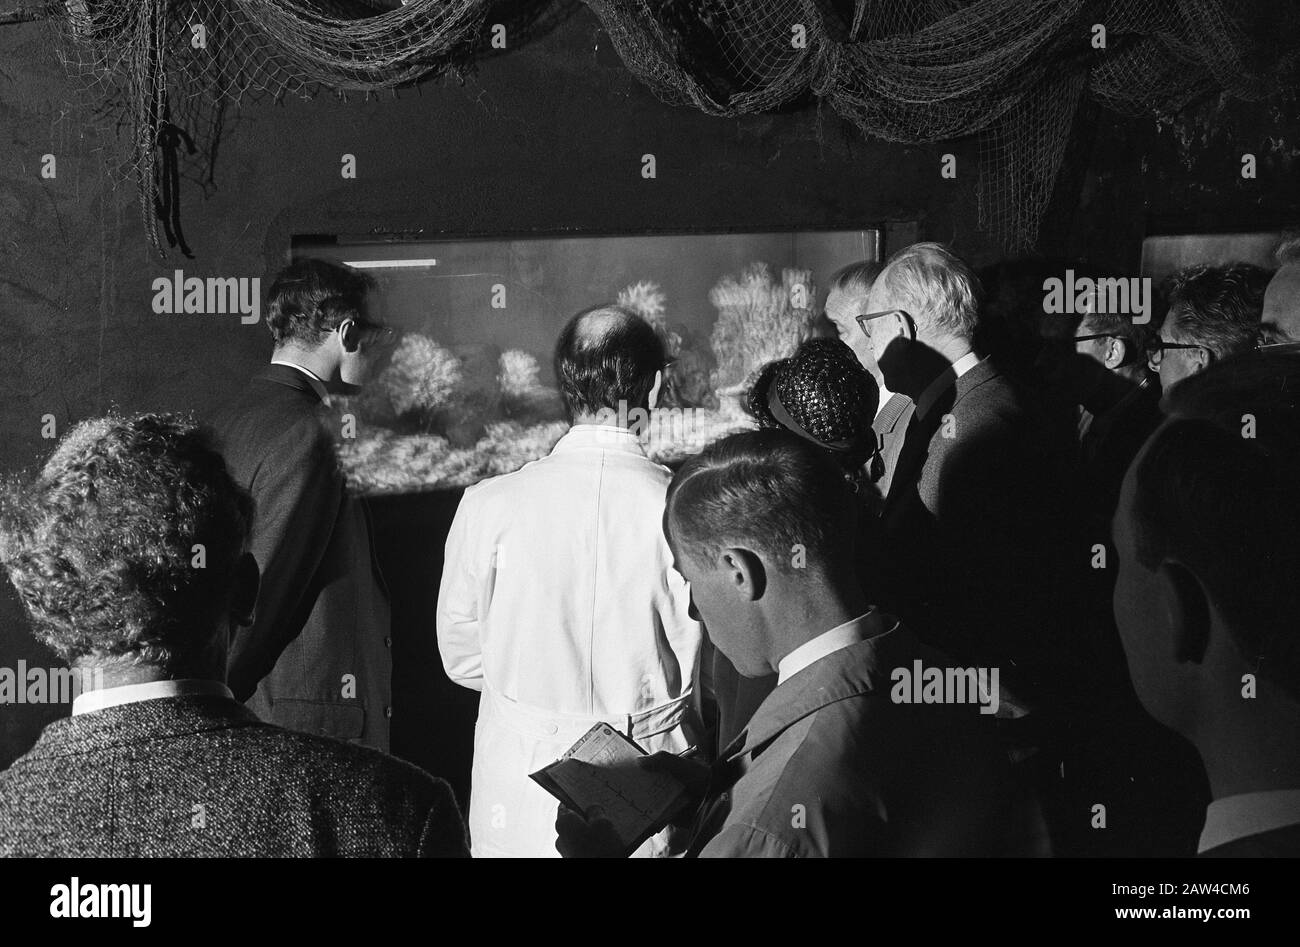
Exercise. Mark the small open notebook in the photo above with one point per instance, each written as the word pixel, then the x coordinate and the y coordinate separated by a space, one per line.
pixel 601 770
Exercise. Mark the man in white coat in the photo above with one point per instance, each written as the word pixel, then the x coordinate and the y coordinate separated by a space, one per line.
pixel 558 598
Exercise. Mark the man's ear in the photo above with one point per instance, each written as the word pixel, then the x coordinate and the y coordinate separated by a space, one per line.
pixel 349 335
pixel 746 574
pixel 1188 608
pixel 1116 353
pixel 243 597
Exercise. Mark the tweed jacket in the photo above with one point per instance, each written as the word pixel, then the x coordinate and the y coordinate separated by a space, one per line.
pixel 202 776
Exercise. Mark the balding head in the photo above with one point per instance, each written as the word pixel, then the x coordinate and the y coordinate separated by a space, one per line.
pixel 605 356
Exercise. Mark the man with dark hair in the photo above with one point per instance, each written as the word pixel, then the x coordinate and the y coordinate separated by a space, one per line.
pixel 1212 312
pixel 1208 532
pixel 317 656
pixel 847 298
pixel 1118 400
pixel 1280 321
pixel 558 600
pixel 838 760
pixel 128 552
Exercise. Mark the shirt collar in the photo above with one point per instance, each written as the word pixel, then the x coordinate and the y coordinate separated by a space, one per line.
pixel 1248 813
pixel 104 697
pixel 946 380
pixel 603 436
pixel 828 642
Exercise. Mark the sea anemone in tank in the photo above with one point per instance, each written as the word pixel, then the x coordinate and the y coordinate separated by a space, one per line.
pixel 421 379
pixel 759 321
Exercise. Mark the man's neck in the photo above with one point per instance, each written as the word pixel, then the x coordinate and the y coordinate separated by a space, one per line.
pixel 803 619
pixel 309 360
pixel 1251 747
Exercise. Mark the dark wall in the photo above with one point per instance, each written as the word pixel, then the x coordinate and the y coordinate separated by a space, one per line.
pixel 548 137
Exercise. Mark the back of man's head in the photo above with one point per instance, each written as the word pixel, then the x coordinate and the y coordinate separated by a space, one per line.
pixel 856 279
pixel 127 542
pixel 1218 307
pixel 1215 490
pixel 936 288
pixel 607 358
pixel 310 298
pixel 770 491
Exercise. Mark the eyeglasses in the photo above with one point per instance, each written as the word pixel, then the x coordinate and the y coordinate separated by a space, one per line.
pixel 1157 347
pixel 376 334
pixel 1098 335
pixel 862 320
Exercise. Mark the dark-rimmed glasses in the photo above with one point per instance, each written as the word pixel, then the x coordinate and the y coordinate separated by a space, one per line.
pixel 1157 347
pixel 863 319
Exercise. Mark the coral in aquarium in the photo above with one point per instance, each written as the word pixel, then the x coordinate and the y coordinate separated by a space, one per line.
pixel 523 396
pixel 687 381
pixel 759 320
pixel 421 378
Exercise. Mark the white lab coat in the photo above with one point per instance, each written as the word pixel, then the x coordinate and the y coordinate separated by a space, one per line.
pixel 560 603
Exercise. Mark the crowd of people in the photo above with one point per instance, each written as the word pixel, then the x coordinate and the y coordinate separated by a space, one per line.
pixel 1088 518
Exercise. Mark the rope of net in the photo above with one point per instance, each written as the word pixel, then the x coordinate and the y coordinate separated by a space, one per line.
pixel 1012 72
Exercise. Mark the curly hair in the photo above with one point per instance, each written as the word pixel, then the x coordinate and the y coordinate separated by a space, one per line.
pixel 127 541
pixel 829 396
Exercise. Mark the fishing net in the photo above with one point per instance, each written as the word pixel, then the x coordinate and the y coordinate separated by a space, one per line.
pixel 1011 72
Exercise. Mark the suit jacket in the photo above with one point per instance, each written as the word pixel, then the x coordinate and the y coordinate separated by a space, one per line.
pixel 1277 843
pixel 202 776
pixel 1111 439
pixel 984 551
pixel 317 657
pixel 831 766
pixel 890 425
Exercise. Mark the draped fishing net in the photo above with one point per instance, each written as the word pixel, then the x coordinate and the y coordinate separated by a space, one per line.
pixel 1011 72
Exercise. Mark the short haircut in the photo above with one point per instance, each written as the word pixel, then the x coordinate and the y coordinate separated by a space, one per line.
pixel 771 491
pixel 605 355
pixel 936 288
pixel 856 278
pixel 1218 306
pixel 311 298
pixel 100 546
pixel 1287 250
pixel 1224 503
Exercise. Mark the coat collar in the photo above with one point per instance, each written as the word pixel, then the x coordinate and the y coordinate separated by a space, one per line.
pixel 149 719
pixel 861 668
pixel 291 377
pixel 600 436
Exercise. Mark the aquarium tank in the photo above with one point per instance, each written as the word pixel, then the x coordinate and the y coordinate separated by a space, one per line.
pixel 466 388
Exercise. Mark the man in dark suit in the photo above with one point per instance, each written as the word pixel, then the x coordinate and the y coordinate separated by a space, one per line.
pixel 1208 532
pixel 317 656
pixel 980 555
pixel 840 759
pixel 128 551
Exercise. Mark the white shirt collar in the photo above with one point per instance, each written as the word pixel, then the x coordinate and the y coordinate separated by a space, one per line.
pixel 1248 813
pixel 828 642
pixel 946 380
pixel 606 436
pixel 306 371
pixel 104 697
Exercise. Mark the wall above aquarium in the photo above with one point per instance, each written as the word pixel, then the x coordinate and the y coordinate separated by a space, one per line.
pixel 468 389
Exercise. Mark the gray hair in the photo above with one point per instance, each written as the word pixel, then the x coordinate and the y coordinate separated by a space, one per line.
pixel 936 287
